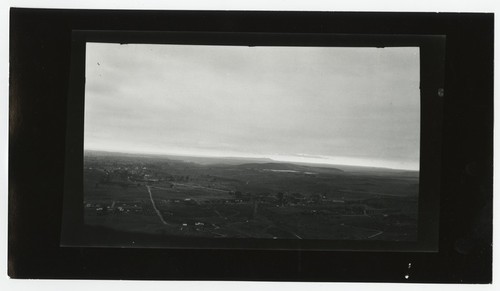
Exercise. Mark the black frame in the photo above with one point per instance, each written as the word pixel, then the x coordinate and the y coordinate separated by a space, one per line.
pixel 40 67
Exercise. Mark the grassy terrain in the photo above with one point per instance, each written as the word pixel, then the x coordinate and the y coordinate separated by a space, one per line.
pixel 248 199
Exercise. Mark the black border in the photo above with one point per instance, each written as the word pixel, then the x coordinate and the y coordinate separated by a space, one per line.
pixel 431 49
pixel 40 46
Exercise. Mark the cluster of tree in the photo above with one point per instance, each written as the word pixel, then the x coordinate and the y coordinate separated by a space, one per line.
pixel 109 178
pixel 177 178
pixel 285 199
pixel 281 198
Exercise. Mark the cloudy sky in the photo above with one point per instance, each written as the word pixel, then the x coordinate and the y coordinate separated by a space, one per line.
pixel 357 106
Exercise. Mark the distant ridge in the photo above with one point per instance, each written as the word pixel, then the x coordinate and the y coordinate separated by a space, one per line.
pixel 259 163
pixel 222 160
pixel 192 159
pixel 290 167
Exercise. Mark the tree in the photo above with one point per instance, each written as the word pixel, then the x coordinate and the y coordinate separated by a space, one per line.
pixel 281 198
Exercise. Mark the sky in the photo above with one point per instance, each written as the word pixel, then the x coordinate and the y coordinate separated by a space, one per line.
pixel 327 105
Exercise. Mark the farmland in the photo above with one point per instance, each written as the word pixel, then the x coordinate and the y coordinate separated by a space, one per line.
pixel 245 198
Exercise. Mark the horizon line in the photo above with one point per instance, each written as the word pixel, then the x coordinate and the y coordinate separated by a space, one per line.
pixel 249 157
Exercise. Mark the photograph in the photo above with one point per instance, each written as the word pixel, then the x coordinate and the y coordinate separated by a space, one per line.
pixel 262 142
pixel 276 147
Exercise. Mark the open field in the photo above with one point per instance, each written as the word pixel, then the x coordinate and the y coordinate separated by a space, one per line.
pixel 248 199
